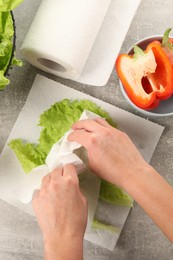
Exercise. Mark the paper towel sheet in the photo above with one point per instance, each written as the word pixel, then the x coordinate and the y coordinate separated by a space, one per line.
pixel 78 39
pixel 143 133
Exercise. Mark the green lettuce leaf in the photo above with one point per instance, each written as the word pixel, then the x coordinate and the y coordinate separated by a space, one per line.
pixel 54 122
pixel 8 5
pixel 3 80
pixel 115 195
pixel 28 154
pixel 58 119
pixel 16 62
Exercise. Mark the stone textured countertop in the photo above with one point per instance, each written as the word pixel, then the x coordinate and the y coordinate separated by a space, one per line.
pixel 20 237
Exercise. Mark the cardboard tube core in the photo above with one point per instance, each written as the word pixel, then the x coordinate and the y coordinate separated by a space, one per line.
pixel 51 64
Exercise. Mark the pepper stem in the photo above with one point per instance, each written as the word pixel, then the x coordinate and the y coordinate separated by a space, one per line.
pixel 165 41
pixel 138 52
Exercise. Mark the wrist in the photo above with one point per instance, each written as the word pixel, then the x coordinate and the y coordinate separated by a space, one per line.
pixel 134 177
pixel 63 247
pixel 138 182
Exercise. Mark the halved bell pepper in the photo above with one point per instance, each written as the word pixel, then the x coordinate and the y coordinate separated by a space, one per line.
pixel 147 76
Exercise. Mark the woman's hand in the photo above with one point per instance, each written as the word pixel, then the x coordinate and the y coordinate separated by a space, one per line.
pixel 61 210
pixel 111 153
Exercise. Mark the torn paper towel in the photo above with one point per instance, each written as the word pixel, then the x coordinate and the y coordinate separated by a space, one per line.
pixel 62 153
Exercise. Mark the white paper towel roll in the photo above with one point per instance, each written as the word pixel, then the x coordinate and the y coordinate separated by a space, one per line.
pixel 62 35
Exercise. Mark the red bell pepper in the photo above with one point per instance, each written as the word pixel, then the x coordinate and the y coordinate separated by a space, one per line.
pixel 147 76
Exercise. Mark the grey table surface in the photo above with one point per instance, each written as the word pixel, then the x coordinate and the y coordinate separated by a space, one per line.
pixel 20 236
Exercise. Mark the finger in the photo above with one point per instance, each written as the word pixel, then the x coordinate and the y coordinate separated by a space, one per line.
pixel 88 125
pixel 70 169
pixel 57 173
pixel 103 122
pixel 35 195
pixel 46 180
pixel 85 201
pixel 80 137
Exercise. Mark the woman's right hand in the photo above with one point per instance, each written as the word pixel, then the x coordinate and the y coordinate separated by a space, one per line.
pixel 111 153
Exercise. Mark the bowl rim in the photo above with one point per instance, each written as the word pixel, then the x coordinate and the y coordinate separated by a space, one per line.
pixel 14 46
pixel 143 111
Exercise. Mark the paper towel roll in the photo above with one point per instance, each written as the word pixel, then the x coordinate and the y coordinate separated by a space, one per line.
pixel 62 34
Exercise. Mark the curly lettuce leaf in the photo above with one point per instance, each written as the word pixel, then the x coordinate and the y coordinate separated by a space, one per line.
pixel 3 80
pixel 113 194
pixel 16 62
pixel 8 5
pixel 58 119
pixel 54 122
pixel 27 153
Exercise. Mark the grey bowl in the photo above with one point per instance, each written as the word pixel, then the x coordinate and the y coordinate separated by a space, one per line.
pixel 165 107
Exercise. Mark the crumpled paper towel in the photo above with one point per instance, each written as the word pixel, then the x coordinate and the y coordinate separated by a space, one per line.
pixel 62 153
